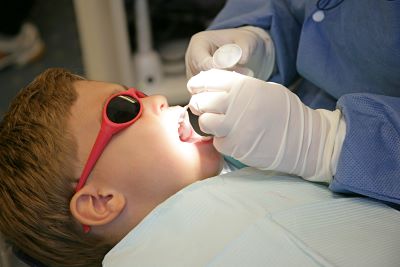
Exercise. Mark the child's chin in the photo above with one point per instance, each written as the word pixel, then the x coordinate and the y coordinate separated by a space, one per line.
pixel 209 153
pixel 214 165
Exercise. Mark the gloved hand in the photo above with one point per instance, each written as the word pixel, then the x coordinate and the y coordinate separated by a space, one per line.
pixel 266 126
pixel 258 52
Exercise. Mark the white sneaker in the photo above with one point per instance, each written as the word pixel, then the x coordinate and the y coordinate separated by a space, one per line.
pixel 21 49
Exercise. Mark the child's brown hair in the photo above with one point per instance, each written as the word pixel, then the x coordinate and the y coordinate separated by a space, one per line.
pixel 37 158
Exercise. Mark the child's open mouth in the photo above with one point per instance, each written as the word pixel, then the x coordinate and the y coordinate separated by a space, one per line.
pixel 186 132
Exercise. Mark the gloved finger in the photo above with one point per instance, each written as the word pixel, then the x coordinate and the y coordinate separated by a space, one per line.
pixel 222 146
pixel 213 80
pixel 209 102
pixel 198 56
pixel 243 70
pixel 247 45
pixel 213 124
pixel 193 66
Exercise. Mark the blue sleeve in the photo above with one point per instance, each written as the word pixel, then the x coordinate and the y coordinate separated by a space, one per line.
pixel 369 163
pixel 355 48
pixel 280 19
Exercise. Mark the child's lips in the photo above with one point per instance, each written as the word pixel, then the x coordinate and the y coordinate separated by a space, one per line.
pixel 186 132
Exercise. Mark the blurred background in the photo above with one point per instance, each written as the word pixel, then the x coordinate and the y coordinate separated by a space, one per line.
pixel 138 43
pixel 57 25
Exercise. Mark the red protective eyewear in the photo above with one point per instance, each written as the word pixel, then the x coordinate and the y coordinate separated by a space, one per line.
pixel 120 111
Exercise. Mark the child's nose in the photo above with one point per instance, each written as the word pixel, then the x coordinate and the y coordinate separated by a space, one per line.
pixel 155 102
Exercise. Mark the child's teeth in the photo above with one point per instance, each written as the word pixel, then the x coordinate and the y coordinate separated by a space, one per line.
pixel 185 130
pixel 184 113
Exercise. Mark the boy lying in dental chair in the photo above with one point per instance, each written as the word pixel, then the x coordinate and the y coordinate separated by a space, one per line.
pixel 92 170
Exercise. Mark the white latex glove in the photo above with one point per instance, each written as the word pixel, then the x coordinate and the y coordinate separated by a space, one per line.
pixel 266 126
pixel 258 52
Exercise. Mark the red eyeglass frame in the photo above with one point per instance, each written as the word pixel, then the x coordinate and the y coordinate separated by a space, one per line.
pixel 107 130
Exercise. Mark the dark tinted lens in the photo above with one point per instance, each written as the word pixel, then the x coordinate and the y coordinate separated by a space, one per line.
pixel 122 109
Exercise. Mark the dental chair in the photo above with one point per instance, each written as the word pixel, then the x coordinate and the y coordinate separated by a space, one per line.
pixel 252 218
pixel 256 218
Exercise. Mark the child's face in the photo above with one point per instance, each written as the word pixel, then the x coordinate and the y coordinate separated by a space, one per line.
pixel 147 161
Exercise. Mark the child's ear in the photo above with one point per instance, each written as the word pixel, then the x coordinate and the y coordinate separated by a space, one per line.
pixel 94 207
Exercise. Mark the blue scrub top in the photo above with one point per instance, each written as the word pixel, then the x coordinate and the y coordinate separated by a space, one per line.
pixel 347 50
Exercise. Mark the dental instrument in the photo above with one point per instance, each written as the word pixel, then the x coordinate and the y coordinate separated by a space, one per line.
pixel 228 56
